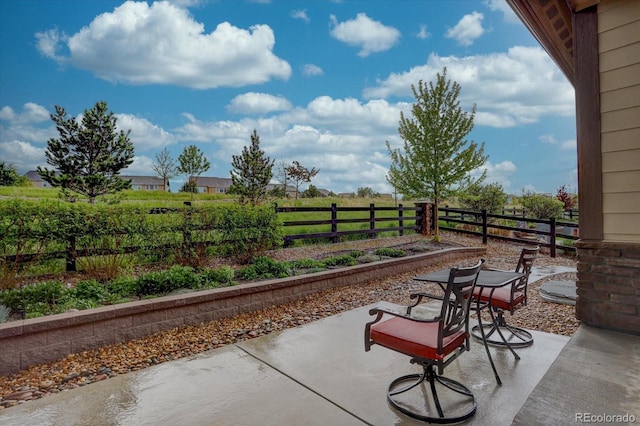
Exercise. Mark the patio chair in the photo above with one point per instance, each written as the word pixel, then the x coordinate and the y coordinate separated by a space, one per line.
pixel 509 299
pixel 431 343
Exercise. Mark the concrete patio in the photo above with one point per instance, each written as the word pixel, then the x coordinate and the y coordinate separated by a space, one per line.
pixel 319 374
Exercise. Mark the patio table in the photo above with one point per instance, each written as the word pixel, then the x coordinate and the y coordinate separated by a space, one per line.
pixel 487 279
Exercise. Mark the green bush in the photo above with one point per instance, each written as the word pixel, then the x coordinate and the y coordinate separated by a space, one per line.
pixel 306 264
pixel 344 260
pixel 90 290
pixel 122 287
pixel 213 277
pixel 263 267
pixel 542 207
pixel 390 252
pixel 247 232
pixel 479 197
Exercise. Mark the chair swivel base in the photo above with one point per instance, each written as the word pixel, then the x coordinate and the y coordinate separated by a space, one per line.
pixel 515 336
pixel 453 404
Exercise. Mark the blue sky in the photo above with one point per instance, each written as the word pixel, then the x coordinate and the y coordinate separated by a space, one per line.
pixel 322 82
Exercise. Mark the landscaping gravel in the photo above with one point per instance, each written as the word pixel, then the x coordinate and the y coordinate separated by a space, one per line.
pixel 87 367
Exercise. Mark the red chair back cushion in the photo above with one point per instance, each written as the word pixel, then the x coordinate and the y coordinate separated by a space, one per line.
pixel 501 297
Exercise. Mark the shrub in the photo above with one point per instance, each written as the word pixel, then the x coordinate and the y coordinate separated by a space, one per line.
pixel 306 264
pixel 484 197
pixel 264 267
pixel 390 252
pixel 223 275
pixel 122 287
pixel 542 207
pixel 356 253
pixel 247 232
pixel 90 290
pixel 344 260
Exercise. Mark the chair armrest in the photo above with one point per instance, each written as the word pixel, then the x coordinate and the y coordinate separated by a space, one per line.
pixel 398 311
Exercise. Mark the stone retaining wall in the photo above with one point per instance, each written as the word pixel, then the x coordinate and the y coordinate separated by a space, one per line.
pixel 40 340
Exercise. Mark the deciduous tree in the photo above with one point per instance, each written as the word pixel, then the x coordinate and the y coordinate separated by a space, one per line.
pixel 192 163
pixel 299 174
pixel 165 167
pixel 251 173
pixel 89 155
pixel 436 160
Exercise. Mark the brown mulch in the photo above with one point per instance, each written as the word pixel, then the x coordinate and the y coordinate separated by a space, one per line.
pixel 87 367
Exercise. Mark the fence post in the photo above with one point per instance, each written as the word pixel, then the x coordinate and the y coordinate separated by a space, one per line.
pixel 372 221
pixel 400 221
pixel 552 237
pixel 334 221
pixel 425 217
pixel 71 255
pixel 485 229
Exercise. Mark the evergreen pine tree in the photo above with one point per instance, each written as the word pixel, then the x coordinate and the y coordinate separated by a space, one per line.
pixel 252 173
pixel 88 156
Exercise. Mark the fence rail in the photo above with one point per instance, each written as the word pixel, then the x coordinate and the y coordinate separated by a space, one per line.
pixel 550 233
pixel 543 232
pixel 335 221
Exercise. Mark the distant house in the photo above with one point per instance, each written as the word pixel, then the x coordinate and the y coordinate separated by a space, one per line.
pixel 217 185
pixel 145 183
pixel 36 180
pixel 213 185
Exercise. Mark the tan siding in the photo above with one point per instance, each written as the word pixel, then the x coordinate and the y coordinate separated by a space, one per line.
pixel 622 203
pixel 627 118
pixel 619 161
pixel 622 223
pixel 620 58
pixel 621 182
pixel 621 140
pixel 620 78
pixel 627 97
pixel 618 14
pixel 617 37
pixel 626 238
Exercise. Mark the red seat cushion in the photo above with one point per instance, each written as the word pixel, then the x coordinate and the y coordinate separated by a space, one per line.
pixel 415 338
pixel 501 297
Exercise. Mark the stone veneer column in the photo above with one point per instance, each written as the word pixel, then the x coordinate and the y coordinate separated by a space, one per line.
pixel 609 285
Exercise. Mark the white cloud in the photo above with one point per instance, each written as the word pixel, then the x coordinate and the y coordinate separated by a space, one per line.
pixel 141 166
pixel 48 43
pixel 24 155
pixel 144 134
pixel 569 144
pixel 502 6
pixel 258 103
pixel 509 89
pixel 423 33
pixel 548 139
pixel 31 113
pixel 311 70
pixel 497 173
pixel 163 44
pixel 300 14
pixel 468 29
pixel 363 32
